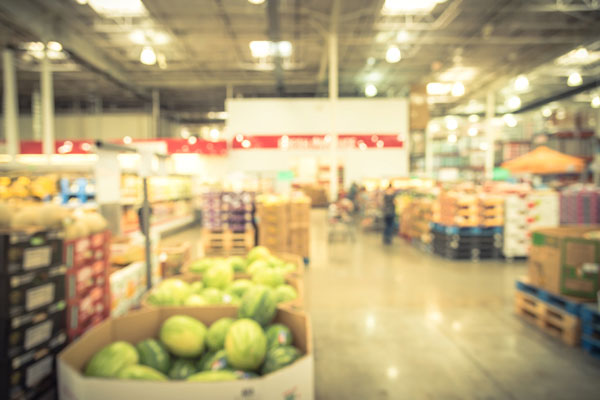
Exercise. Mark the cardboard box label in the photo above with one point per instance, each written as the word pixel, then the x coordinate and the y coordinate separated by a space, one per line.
pixel 590 268
pixel 39 296
pixel 37 257
pixel 38 334
pixel 38 371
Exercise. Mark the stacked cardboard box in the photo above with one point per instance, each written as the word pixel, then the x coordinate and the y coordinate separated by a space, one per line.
pixel 272 214
pixel 459 209
pixel 491 209
pixel 416 220
pixel 580 205
pixel 299 223
pixel 87 282
pixel 32 312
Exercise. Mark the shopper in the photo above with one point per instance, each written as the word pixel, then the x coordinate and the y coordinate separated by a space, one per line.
pixel 389 214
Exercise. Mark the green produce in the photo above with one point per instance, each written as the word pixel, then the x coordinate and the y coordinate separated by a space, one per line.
pixel 183 335
pixel 257 253
pixel 245 345
pixel 178 289
pixel 213 376
pixel 278 335
pixel 182 368
pixel 154 354
pixel 238 264
pixel 256 266
pixel 278 358
pixel 215 337
pixel 218 276
pixel 202 362
pixel 213 296
pixel 197 287
pixel 285 293
pixel 112 358
pixel 239 287
pixel 231 299
pixel 201 265
pixel 141 373
pixel 217 362
pixel 195 300
pixel 286 268
pixel 268 277
pixel 159 297
pixel 258 304
pixel 246 375
pixel 274 262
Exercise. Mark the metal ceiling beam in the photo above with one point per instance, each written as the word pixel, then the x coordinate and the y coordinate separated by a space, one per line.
pixel 37 21
pixel 275 37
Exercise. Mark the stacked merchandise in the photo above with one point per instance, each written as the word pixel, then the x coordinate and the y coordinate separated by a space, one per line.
pixel 491 209
pixel 580 205
pixel 524 213
pixel 32 311
pixel 415 224
pixel 299 222
pixel 459 209
pixel 272 215
pixel 563 275
pixel 227 219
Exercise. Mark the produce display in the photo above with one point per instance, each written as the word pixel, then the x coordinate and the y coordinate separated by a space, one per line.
pixel 229 349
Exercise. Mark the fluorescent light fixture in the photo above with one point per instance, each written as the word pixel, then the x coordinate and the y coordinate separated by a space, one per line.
pixel 596 102
pixel 513 102
pixel 214 134
pixel 256 2
pixel 473 118
pixel 458 89
pixel 394 7
pixel 285 48
pixel 452 138
pixel 393 55
pixel 581 53
pixel 192 140
pixel 402 36
pixel 54 46
pixel 574 79
pixel 521 83
pixel 148 56
pixel 35 46
pixel 451 123
pixel 546 112
pixel 579 56
pixel 82 2
pixel 473 131
pixel 119 8
pixel 265 48
pixel 370 90
pixel 438 88
pixel 510 120
pixel 138 37
pixel 458 74
pixel 127 140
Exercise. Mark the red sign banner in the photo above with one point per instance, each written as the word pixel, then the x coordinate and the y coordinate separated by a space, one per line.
pixel 315 142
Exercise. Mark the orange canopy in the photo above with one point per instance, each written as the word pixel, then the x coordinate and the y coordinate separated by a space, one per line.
pixel 545 161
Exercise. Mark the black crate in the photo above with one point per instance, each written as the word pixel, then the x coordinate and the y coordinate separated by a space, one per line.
pixel 22 294
pixel 18 336
pixel 29 250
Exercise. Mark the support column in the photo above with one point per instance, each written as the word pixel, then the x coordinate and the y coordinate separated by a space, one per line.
pixel 333 100
pixel 429 153
pixel 155 114
pixel 47 94
pixel 11 105
pixel 36 114
pixel 490 133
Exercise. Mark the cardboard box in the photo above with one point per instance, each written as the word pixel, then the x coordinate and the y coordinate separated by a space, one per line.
pixel 128 285
pixel 294 381
pixel 563 261
pixel 29 250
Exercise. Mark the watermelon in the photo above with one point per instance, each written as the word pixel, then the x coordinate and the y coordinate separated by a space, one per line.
pixel 274 262
pixel 213 376
pixel 258 304
pixel 218 276
pixel 239 287
pixel 202 362
pixel 278 358
pixel 285 293
pixel 238 264
pixel 257 253
pixel 286 268
pixel 159 297
pixel 195 300
pixel 141 373
pixel 218 361
pixel 231 299
pixel 154 354
pixel 178 289
pixel 213 296
pixel 111 359
pixel 245 345
pixel 268 277
pixel 215 337
pixel 197 287
pixel 256 266
pixel 200 266
pixel 183 335
pixel 182 368
pixel 278 335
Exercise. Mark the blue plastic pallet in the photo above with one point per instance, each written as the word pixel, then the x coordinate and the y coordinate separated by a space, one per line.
pixel 466 231
pixel 591 346
pixel 569 306
pixel 590 320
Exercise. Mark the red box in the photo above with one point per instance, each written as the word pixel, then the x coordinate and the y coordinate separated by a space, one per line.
pixel 79 252
pixel 87 311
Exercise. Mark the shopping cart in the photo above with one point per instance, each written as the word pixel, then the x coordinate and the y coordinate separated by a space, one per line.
pixel 341 224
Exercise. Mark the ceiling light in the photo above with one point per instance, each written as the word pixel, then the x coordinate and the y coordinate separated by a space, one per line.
pixel 256 1
pixel 119 8
pixel 473 118
pixel 521 83
pixel 458 89
pixel 402 36
pixel 54 46
pixel 392 7
pixel 148 56
pixel 513 102
pixel 239 137
pixel 265 48
pixel 458 74
pixel 438 88
pixel 214 134
pixel 370 90
pixel 473 131
pixel 434 127
pixel 510 120
pixel 82 2
pixel 546 112
pixel 581 53
pixel 393 54
pixel 35 46
pixel 86 146
pixel 451 123
pixel 596 101
pixel 192 140
pixel 185 133
pixel 575 79
pixel 138 37
pixel 127 140
pixel 452 138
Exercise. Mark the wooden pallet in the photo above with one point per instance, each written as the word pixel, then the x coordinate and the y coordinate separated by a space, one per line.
pixel 556 322
pixel 220 242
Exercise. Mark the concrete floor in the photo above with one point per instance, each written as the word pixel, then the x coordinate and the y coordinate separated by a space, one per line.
pixel 396 323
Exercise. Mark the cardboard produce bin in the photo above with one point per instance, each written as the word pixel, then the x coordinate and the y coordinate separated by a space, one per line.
pixel 294 381
pixel 563 261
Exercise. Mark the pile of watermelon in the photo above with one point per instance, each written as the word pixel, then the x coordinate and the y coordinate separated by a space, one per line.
pixel 219 286
pixel 230 349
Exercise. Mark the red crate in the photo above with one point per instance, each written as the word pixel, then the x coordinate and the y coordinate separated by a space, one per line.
pixel 85 312
pixel 79 252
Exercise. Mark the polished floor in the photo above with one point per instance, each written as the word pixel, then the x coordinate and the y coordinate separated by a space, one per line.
pixel 396 323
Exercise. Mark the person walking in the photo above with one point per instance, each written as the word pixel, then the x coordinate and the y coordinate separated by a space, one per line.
pixel 389 214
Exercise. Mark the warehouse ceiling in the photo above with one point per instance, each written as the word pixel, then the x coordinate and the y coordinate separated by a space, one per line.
pixel 202 48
